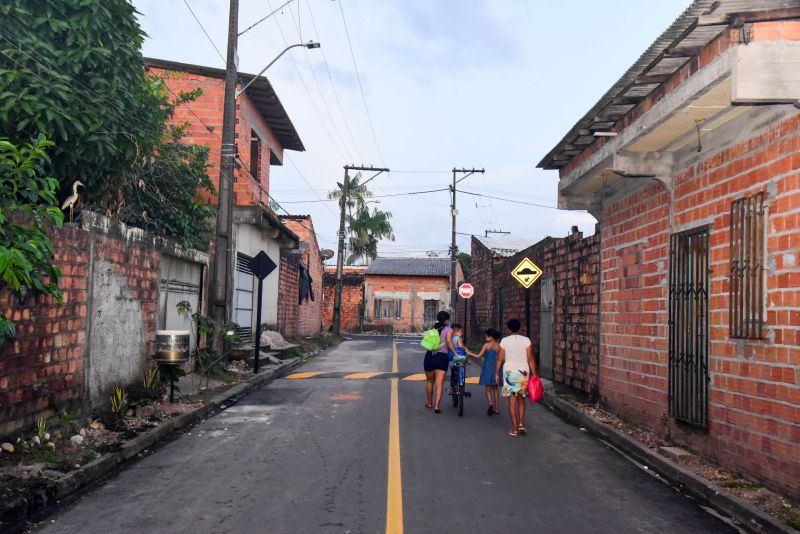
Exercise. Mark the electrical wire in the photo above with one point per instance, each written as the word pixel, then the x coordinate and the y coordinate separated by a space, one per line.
pixel 210 40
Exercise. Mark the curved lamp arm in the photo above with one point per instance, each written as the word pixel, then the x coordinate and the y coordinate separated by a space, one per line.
pixel 310 45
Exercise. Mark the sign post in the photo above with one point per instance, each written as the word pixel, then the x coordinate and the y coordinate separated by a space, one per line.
pixel 526 273
pixel 465 291
pixel 261 266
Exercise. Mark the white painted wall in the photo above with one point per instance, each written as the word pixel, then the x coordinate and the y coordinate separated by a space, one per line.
pixel 251 240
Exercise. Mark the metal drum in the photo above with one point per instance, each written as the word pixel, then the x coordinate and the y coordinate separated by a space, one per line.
pixel 172 346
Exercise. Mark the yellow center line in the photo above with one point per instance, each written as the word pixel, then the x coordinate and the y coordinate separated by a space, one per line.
pixel 307 374
pixel 394 483
pixel 416 378
pixel 357 376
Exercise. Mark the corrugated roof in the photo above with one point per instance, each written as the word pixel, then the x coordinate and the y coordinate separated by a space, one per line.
pixel 701 23
pixel 505 247
pixel 410 267
pixel 260 93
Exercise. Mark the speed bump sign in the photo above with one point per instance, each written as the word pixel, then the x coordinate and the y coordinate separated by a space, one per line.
pixel 526 273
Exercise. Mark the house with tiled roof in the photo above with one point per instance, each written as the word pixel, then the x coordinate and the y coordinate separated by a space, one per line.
pixel 404 294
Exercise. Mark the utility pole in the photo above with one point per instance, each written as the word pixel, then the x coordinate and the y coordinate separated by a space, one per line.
pixel 222 281
pixel 453 248
pixel 487 232
pixel 337 299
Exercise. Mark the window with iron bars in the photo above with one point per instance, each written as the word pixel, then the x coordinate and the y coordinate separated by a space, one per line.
pixel 388 309
pixel 746 294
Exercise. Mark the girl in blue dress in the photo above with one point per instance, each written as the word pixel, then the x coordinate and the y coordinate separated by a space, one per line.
pixel 489 353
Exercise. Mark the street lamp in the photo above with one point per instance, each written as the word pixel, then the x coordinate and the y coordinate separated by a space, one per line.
pixel 310 45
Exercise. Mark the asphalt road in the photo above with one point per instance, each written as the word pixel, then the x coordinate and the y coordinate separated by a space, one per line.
pixel 314 455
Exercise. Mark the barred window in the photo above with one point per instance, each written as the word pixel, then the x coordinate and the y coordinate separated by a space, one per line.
pixel 387 309
pixel 746 298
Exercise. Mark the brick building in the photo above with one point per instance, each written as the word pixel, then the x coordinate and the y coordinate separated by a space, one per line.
pixel 691 164
pixel 296 317
pixel 404 294
pixel 352 297
pixel 263 132
pixel 559 312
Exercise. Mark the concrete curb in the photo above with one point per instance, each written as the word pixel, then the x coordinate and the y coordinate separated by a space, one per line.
pixel 14 515
pixel 749 517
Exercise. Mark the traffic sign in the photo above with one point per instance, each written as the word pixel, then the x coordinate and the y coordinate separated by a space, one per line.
pixel 526 273
pixel 466 290
pixel 262 265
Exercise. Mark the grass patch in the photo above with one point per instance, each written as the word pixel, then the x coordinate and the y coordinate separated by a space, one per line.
pixel 742 484
pixel 788 516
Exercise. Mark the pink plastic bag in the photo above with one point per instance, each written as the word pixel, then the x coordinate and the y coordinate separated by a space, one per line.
pixel 535 389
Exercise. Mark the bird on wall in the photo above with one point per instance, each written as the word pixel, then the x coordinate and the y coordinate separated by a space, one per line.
pixel 72 199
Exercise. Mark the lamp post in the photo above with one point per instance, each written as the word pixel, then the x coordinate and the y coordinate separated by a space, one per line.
pixel 222 274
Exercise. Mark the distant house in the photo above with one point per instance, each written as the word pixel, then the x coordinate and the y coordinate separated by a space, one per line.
pixel 405 294
pixel 263 132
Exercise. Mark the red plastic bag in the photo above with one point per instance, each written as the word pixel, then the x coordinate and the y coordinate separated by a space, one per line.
pixel 535 389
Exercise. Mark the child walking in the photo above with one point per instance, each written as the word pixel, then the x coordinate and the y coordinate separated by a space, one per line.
pixel 489 353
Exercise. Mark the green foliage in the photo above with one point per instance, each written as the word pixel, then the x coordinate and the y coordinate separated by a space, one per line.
pixel 41 430
pixel 65 421
pixel 74 71
pixel 28 205
pixel 207 362
pixel 466 263
pixel 118 401
pixel 150 380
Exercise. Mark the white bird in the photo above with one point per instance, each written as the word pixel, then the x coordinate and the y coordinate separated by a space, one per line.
pixel 72 199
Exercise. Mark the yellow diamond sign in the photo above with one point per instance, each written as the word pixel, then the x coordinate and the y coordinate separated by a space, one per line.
pixel 526 273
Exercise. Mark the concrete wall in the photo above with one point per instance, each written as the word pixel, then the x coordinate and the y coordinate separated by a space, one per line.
pixel 68 356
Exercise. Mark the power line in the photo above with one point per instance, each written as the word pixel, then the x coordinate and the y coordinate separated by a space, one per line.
pixel 360 85
pixel 210 40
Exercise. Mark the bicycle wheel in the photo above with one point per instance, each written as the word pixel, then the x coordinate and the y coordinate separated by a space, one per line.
pixel 454 386
pixel 461 386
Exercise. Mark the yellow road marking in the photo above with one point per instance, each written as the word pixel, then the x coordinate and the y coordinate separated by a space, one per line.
pixel 307 374
pixel 357 376
pixel 416 378
pixel 473 380
pixel 394 483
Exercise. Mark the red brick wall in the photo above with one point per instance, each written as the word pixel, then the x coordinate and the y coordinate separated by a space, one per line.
pixel 42 369
pixel 288 289
pixel 482 278
pixel 412 306
pixel 754 389
pixel 310 312
pixel 209 108
pixel 352 300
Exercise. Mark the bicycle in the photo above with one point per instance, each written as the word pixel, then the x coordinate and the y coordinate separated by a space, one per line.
pixel 458 381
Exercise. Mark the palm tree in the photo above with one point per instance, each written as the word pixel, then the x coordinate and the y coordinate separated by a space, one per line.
pixel 366 229
pixel 357 193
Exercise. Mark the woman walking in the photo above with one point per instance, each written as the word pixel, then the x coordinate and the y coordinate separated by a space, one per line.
pixel 489 353
pixel 517 355
pixel 437 362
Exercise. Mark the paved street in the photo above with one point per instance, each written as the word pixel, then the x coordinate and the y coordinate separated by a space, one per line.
pixel 312 455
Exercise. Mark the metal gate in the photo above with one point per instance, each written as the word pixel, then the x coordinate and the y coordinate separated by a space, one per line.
pixel 688 326
pixel 546 327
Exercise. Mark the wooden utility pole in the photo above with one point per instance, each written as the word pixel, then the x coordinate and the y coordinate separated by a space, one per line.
pixel 222 280
pixel 337 298
pixel 453 248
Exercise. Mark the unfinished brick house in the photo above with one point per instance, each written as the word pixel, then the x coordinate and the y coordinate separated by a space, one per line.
pixel 691 164
pixel 263 132
pixel 559 312
pixel 405 294
pixel 300 311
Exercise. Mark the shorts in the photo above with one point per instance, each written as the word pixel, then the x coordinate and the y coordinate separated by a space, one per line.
pixel 435 361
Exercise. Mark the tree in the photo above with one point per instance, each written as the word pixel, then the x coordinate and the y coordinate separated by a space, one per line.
pixel 466 263
pixel 366 229
pixel 74 72
pixel 28 204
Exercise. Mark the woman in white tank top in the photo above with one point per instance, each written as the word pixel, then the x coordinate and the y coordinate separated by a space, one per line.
pixel 516 360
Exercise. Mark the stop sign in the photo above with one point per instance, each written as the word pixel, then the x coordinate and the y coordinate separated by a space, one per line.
pixel 466 290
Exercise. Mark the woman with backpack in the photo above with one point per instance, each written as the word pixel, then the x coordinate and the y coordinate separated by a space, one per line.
pixel 437 361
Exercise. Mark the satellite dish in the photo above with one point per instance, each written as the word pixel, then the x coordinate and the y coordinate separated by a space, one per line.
pixel 326 254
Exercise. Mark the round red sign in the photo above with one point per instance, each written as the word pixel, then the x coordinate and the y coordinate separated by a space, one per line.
pixel 466 290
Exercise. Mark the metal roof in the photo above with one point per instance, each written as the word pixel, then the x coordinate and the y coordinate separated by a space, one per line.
pixel 410 267
pixel 260 93
pixel 699 24
pixel 506 247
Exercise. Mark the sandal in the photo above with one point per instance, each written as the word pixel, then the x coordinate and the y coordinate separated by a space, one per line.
pixel 437 410
pixel 429 406
pixel 512 433
pixel 522 431
pixel 490 411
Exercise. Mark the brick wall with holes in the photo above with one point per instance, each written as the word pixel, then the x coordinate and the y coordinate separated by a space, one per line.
pixel 310 311
pixel 352 299
pixel 573 263
pixel 288 289
pixel 67 356
pixel 251 184
pixel 753 384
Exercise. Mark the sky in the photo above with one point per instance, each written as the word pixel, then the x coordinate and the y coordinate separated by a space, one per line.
pixel 420 87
